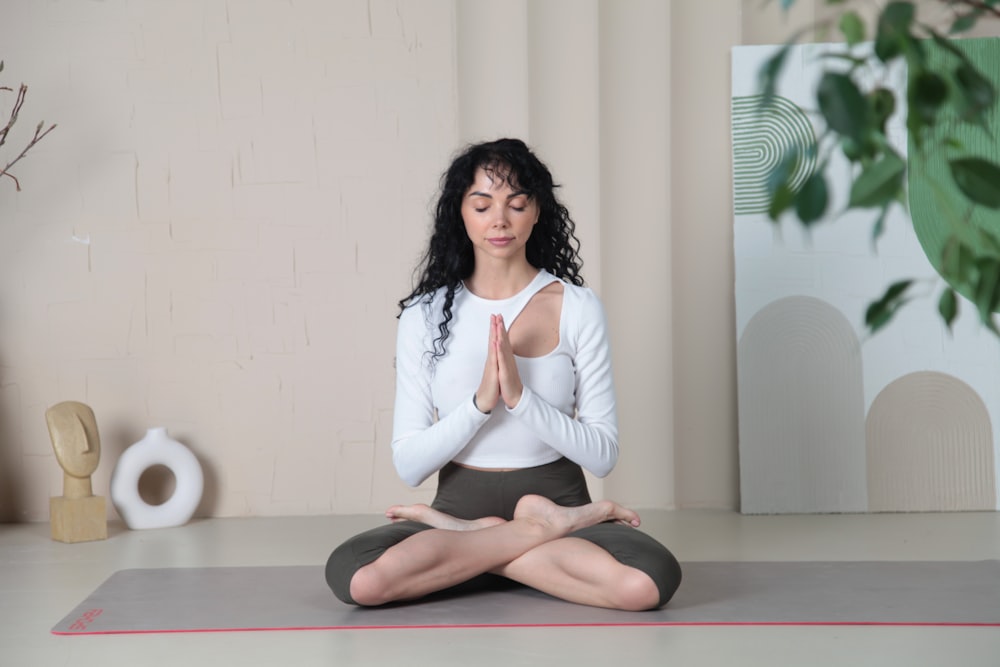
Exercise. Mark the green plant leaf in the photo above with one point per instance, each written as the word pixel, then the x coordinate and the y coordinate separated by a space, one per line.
pixel 843 106
pixel 878 228
pixel 925 94
pixel 852 27
pixel 893 30
pixel 915 125
pixel 948 306
pixel 988 288
pixel 781 199
pixel 812 198
pixel 878 183
pixel 767 78
pixel 987 243
pixel 882 103
pixel 881 312
pixel 965 22
pixel 779 183
pixel 949 46
pixel 959 263
pixel 978 179
pixel 978 92
pixel 853 151
pixel 856 61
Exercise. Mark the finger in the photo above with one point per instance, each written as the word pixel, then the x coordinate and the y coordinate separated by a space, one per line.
pixel 503 337
pixel 498 336
pixel 488 393
pixel 509 377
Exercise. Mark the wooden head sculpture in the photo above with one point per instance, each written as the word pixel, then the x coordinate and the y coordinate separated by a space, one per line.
pixel 73 430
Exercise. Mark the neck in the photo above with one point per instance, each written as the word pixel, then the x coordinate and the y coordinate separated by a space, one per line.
pixel 76 487
pixel 500 282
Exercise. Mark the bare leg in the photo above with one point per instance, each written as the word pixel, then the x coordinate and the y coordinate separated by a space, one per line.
pixel 432 517
pixel 579 571
pixel 436 559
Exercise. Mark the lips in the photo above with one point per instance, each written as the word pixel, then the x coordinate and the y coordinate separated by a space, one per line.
pixel 501 241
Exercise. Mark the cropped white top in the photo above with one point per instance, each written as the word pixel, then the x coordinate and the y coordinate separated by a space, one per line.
pixel 567 408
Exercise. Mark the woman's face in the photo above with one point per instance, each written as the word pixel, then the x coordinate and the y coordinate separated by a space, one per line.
pixel 498 218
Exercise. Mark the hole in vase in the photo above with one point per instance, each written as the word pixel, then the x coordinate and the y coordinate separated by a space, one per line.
pixel 157 484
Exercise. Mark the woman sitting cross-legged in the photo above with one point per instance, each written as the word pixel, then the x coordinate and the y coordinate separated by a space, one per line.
pixel 504 389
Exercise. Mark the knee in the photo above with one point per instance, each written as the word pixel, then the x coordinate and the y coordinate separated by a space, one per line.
pixel 637 592
pixel 355 586
pixel 352 584
pixel 367 588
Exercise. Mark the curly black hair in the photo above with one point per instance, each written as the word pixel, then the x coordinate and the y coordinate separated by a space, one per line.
pixel 449 260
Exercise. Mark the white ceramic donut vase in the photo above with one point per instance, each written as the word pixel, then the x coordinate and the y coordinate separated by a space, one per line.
pixel 156 448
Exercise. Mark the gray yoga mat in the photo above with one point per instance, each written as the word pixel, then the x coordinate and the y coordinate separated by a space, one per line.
pixel 712 593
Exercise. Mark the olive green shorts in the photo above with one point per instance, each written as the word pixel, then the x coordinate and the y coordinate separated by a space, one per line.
pixel 472 494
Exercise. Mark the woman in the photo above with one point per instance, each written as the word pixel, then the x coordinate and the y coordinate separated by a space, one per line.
pixel 500 291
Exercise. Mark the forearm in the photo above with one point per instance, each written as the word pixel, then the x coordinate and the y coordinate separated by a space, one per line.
pixel 418 451
pixel 592 442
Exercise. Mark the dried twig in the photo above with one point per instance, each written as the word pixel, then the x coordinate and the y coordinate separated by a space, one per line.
pixel 39 135
pixel 18 103
pixel 40 131
pixel 977 4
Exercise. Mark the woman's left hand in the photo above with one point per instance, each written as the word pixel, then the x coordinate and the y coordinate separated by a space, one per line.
pixel 511 387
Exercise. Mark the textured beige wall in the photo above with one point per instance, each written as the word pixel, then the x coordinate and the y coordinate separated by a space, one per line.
pixel 215 237
pixel 704 327
pixel 636 220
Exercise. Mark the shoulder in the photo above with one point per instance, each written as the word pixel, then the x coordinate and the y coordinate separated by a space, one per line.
pixel 582 302
pixel 413 312
pixel 585 323
pixel 425 308
pixel 417 315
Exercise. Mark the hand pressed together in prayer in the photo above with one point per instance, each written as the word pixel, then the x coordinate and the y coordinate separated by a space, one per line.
pixel 501 379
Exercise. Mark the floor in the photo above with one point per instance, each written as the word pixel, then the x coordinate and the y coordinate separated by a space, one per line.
pixel 41 580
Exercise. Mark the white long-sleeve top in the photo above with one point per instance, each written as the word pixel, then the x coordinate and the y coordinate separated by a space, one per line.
pixel 567 408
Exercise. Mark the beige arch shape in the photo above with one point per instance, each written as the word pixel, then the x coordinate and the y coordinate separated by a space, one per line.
pixel 801 410
pixel 930 447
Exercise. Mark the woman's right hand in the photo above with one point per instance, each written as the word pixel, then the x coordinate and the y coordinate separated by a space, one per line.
pixel 488 394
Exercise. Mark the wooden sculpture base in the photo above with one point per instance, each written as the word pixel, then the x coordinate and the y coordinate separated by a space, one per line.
pixel 78 519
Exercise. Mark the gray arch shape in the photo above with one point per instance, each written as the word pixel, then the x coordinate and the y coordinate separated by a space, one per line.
pixel 801 410
pixel 930 447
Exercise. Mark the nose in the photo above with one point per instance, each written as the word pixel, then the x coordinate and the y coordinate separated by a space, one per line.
pixel 500 217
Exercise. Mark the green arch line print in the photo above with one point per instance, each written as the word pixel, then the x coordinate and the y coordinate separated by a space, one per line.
pixel 763 133
pixel 933 196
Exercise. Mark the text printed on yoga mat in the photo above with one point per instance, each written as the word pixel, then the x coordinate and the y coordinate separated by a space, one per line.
pixel 82 623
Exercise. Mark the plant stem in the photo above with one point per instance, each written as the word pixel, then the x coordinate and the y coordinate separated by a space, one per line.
pixel 39 135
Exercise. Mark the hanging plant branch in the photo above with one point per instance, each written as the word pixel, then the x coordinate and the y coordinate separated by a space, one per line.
pixel 976 9
pixel 946 92
pixel 40 130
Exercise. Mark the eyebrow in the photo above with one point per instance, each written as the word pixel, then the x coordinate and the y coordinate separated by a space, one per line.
pixel 477 193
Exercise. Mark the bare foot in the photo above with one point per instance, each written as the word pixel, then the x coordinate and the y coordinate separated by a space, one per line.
pixel 432 517
pixel 567 519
